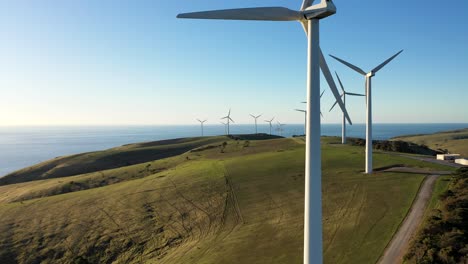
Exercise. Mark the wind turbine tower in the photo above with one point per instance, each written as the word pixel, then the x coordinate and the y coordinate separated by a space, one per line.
pixel 305 113
pixel 201 123
pixel 269 121
pixel 228 120
pixel 280 128
pixel 309 16
pixel 255 117
pixel 225 127
pixel 305 118
pixel 343 125
pixel 368 76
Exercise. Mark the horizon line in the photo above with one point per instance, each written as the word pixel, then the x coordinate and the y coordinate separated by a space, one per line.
pixel 195 124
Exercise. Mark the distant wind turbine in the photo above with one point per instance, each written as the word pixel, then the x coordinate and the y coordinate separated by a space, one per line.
pixel 305 118
pixel 225 127
pixel 228 120
pixel 280 128
pixel 343 126
pixel 305 113
pixel 201 123
pixel 309 16
pixel 368 77
pixel 255 117
pixel 269 121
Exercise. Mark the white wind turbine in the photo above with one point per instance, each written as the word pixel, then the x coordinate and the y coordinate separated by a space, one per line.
pixel 305 118
pixel 280 128
pixel 201 123
pixel 225 127
pixel 228 119
pixel 305 113
pixel 309 16
pixel 368 77
pixel 343 126
pixel 269 121
pixel 255 117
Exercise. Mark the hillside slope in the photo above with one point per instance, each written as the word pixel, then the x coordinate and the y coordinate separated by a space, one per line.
pixel 108 159
pixel 455 141
pixel 239 202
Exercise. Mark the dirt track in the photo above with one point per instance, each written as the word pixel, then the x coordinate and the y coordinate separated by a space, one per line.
pixel 397 247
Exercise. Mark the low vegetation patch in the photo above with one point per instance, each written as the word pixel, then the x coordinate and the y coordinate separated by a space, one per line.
pixel 396 146
pixel 444 238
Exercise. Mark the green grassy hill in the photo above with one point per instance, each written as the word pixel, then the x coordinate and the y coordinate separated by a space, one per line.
pixel 235 202
pixel 101 160
pixel 455 141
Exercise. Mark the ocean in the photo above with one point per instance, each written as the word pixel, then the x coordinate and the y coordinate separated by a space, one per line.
pixel 24 146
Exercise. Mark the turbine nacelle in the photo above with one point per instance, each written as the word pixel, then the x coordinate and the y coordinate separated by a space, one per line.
pixel 324 9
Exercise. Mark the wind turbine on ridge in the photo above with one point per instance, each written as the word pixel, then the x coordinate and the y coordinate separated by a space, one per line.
pixel 228 119
pixel 368 77
pixel 343 125
pixel 201 123
pixel 269 121
pixel 309 16
pixel 255 117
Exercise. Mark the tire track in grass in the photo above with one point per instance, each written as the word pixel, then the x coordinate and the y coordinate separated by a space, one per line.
pixel 231 208
pixel 343 212
pixel 233 196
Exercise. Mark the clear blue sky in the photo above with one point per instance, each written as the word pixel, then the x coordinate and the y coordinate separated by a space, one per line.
pixel 132 62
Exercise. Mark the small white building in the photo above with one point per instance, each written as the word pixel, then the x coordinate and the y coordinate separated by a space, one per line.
pixel 462 161
pixel 448 156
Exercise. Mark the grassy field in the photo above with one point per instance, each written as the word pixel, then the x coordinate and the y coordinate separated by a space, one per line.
pixel 239 202
pixel 454 141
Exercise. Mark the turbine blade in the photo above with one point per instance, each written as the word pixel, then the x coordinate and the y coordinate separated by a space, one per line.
pixel 199 120
pixel 299 110
pixel 304 102
pixel 355 94
pixel 333 106
pixel 321 114
pixel 252 116
pixel 322 93
pixel 258 116
pixel 339 80
pixel 255 13
pixel 305 26
pixel 331 83
pixel 386 62
pixel 231 119
pixel 229 113
pixel 349 65
pixel 306 4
